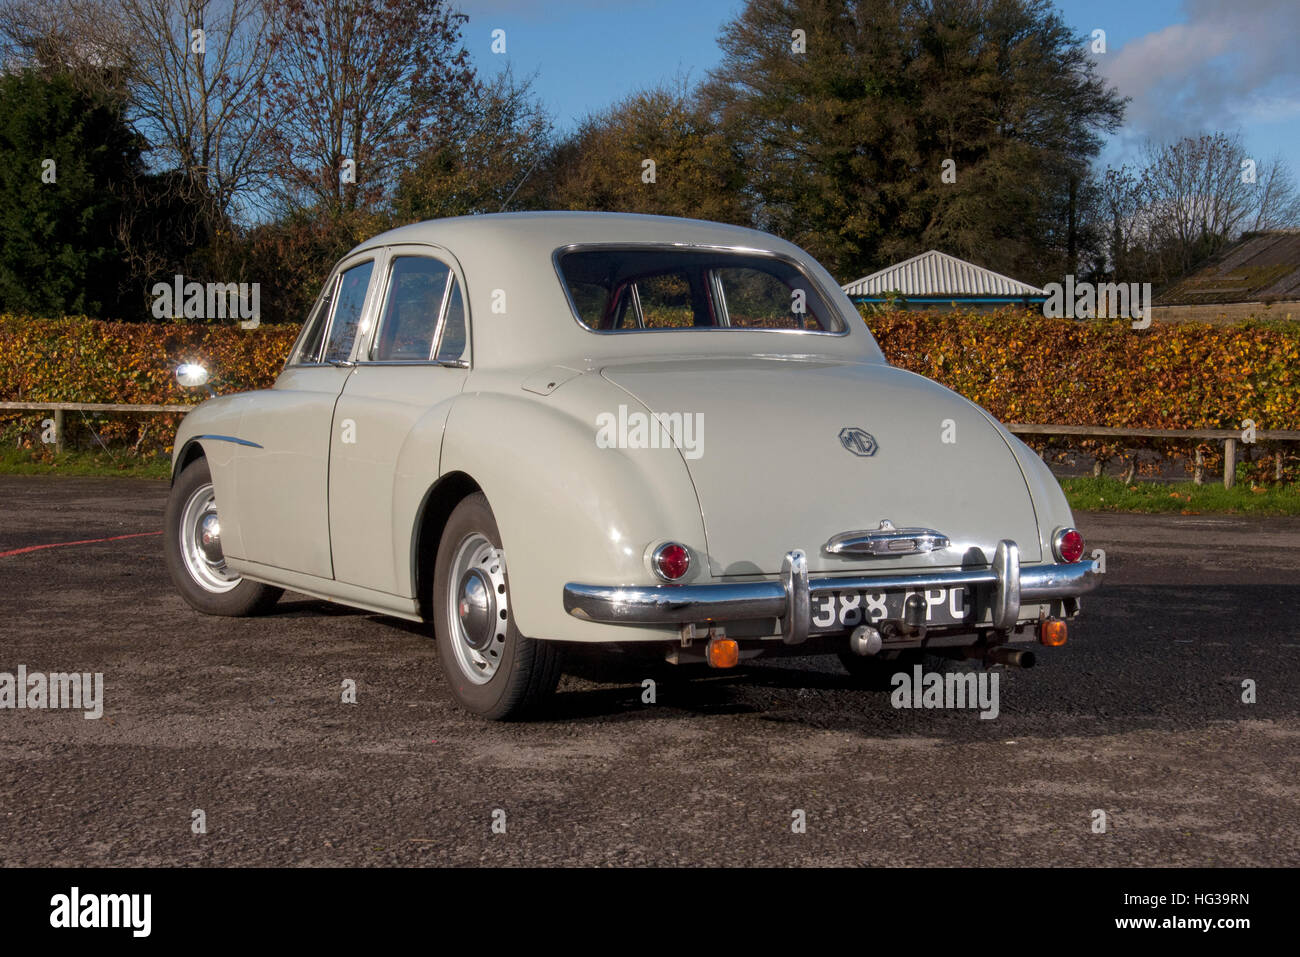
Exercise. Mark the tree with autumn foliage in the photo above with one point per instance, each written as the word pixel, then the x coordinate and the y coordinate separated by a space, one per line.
pixel 486 160
pixel 604 165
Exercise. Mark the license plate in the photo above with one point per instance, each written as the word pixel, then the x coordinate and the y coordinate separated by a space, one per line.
pixel 932 607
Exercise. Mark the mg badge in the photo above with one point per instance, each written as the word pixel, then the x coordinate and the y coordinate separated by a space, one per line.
pixel 858 441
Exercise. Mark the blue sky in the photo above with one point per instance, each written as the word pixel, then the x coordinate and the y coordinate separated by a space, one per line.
pixel 1188 64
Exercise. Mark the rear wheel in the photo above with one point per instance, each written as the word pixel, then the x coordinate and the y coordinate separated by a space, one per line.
pixel 195 560
pixel 493 670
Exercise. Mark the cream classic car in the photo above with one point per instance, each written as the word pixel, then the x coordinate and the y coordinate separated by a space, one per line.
pixel 545 428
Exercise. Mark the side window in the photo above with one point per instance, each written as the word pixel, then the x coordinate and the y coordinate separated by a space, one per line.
pixel 452 344
pixel 309 350
pixel 348 303
pixel 410 317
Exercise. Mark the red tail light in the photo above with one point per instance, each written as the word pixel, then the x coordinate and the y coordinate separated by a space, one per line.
pixel 1068 545
pixel 671 561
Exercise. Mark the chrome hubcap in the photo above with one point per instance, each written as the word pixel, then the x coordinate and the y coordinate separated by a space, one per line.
pixel 210 538
pixel 478 608
pixel 200 533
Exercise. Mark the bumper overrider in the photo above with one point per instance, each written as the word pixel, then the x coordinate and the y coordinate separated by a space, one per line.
pixel 789 599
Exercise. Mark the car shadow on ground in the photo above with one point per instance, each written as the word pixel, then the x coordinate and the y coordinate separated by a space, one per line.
pixel 1149 657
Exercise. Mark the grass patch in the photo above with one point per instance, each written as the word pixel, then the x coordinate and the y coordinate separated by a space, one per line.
pixel 97 463
pixel 1112 495
pixel 1084 494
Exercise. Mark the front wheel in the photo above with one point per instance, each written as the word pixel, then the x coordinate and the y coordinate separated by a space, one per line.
pixel 493 670
pixel 192 546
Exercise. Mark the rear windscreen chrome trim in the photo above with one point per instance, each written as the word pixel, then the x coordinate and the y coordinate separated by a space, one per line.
pixel 703 247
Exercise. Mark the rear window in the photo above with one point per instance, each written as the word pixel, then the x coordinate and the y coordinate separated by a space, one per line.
pixel 644 289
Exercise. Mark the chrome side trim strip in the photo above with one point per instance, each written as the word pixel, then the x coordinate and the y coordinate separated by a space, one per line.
pixel 227 438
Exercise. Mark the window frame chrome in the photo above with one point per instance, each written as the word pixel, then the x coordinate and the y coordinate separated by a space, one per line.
pixel 434 344
pixel 444 256
pixel 295 354
pixel 367 307
pixel 813 284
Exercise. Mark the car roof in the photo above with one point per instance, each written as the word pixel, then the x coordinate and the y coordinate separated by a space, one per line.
pixel 554 229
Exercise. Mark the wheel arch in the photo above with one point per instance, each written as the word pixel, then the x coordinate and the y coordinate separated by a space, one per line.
pixel 189 452
pixel 431 518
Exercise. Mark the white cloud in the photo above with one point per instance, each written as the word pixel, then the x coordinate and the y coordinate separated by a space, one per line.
pixel 1230 64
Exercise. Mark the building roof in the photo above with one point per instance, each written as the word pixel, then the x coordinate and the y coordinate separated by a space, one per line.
pixel 934 274
pixel 1259 267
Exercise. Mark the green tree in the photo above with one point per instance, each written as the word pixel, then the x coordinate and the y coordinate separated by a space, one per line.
pixel 66 158
pixel 485 160
pixel 871 130
pixel 695 172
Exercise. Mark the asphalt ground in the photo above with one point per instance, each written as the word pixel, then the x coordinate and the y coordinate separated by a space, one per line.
pixel 1141 716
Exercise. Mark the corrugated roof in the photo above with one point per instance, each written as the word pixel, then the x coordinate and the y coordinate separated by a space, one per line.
pixel 1264 266
pixel 937 274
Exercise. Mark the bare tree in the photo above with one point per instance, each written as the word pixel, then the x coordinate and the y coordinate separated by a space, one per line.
pixel 1278 201
pixel 198 93
pixel 1119 196
pixel 81 38
pixel 1201 193
pixel 359 89
pixel 192 74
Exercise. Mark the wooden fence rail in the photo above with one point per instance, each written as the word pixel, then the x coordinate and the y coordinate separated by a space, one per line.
pixel 58 408
pixel 1230 438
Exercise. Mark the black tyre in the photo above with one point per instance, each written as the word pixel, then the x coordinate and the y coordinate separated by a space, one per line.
pixel 192 545
pixel 492 669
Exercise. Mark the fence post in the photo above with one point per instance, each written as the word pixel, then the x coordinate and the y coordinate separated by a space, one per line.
pixel 58 430
pixel 1229 462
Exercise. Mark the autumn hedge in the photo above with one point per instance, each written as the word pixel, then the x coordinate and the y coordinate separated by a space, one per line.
pixel 1025 368
pixel 84 360
pixel 1021 366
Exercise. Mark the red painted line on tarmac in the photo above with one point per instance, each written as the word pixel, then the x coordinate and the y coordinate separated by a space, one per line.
pixel 86 541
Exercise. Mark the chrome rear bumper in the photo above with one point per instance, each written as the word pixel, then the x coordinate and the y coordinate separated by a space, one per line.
pixel 790 599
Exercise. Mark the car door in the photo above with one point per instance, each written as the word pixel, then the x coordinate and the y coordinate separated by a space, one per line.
pixel 283 476
pixel 388 423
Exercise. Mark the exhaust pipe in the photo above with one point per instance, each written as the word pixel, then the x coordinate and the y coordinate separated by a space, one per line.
pixel 865 641
pixel 1009 656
